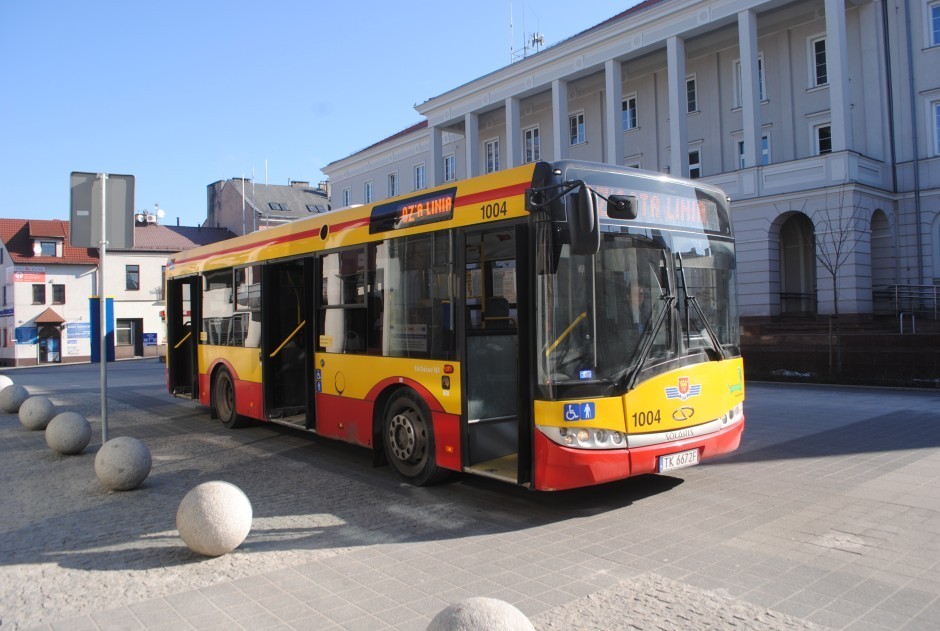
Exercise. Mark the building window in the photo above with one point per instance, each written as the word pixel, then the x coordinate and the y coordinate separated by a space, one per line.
pixel 39 294
pixel 420 181
pixel 819 71
pixel 935 112
pixel 46 248
pixel 533 148
pixel 764 151
pixel 278 206
pixel 132 277
pixel 163 282
pixel 392 184
pixel 691 96
pixel 628 112
pixel 58 294
pixel 492 155
pixel 4 295
pixel 346 193
pixel 576 129
pixel 934 23
pixel 367 192
pixel 695 164
pixel 739 85
pixel 450 168
pixel 823 136
pixel 123 332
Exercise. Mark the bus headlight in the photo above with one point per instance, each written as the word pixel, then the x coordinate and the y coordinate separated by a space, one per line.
pixel 584 437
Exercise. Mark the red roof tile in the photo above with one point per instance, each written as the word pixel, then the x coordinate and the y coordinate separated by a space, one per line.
pixel 17 236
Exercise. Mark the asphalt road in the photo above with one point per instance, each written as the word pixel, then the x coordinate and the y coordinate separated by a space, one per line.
pixel 827 516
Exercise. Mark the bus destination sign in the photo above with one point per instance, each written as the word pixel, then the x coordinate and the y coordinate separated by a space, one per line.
pixel 413 211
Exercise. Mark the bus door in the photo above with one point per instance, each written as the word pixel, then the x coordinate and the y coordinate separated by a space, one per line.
pixel 182 336
pixel 494 323
pixel 286 338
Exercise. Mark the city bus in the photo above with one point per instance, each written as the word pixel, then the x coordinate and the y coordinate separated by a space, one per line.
pixel 554 325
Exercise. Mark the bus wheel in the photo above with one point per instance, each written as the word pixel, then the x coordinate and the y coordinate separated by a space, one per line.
pixel 223 399
pixel 409 440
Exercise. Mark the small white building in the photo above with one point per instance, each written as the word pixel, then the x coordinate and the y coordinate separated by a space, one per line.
pixel 44 315
pixel 45 308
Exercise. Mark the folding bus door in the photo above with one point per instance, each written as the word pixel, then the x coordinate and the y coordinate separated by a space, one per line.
pixel 286 341
pixel 495 328
pixel 182 335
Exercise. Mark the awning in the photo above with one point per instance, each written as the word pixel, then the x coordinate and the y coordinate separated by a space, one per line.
pixel 49 316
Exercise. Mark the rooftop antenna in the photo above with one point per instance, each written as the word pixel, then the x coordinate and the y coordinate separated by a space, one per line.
pixel 511 52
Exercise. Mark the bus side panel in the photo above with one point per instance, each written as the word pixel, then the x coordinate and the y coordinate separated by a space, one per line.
pixel 345 418
pixel 248 394
pixel 447 440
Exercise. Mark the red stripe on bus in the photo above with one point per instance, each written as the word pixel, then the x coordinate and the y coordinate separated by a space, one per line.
pixel 465 200
pixel 496 193
pixel 241 248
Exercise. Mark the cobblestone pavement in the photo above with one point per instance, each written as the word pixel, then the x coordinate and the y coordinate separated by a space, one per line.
pixel 828 516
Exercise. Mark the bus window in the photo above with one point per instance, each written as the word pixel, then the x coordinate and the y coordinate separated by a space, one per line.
pixel 343 317
pixel 217 307
pixel 418 316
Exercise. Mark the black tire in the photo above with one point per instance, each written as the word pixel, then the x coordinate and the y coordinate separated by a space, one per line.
pixel 223 400
pixel 408 438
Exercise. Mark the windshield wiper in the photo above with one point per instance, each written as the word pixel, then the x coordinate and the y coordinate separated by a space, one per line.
pixel 692 300
pixel 646 342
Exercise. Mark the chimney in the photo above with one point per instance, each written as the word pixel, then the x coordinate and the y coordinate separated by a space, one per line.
pixel 299 184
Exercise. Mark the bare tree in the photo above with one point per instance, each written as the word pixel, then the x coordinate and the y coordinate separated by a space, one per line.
pixel 839 228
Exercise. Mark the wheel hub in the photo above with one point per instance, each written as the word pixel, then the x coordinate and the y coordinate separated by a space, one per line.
pixel 401 437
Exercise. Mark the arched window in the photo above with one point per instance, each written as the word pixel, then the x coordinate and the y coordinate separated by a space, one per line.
pixel 797 266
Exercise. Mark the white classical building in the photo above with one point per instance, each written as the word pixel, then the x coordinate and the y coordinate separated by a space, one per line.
pixel 819 118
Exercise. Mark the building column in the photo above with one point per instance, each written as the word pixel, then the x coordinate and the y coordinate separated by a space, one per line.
pixel 513 133
pixel 836 63
pixel 678 125
pixel 560 119
pixel 613 111
pixel 750 87
pixel 472 140
pixel 436 168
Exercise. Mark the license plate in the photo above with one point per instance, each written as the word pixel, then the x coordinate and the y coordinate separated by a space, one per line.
pixel 678 460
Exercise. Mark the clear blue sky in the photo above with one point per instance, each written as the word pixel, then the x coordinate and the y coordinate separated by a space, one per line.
pixel 181 93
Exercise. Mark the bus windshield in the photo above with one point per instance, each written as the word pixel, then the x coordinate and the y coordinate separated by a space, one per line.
pixel 648 301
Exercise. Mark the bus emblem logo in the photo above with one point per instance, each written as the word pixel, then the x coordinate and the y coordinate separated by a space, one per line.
pixel 683 390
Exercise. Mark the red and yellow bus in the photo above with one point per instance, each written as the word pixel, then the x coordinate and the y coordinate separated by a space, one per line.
pixel 553 325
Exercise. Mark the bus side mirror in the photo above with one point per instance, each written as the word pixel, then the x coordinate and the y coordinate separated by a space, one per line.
pixel 583 232
pixel 622 206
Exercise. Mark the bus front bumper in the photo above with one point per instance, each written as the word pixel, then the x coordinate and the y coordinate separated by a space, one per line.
pixel 558 468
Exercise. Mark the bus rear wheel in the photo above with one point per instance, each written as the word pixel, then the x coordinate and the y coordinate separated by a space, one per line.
pixel 223 399
pixel 409 440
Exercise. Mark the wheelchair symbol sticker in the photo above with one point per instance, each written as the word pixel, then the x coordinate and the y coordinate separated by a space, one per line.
pixel 579 411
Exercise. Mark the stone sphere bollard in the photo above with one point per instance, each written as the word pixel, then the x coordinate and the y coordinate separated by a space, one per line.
pixel 12 397
pixel 122 463
pixel 68 433
pixel 214 518
pixel 5 381
pixel 480 614
pixel 36 412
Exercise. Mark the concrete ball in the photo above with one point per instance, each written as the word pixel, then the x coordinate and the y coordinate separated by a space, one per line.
pixel 480 614
pixel 122 463
pixel 36 412
pixel 12 397
pixel 214 518
pixel 68 433
pixel 5 381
